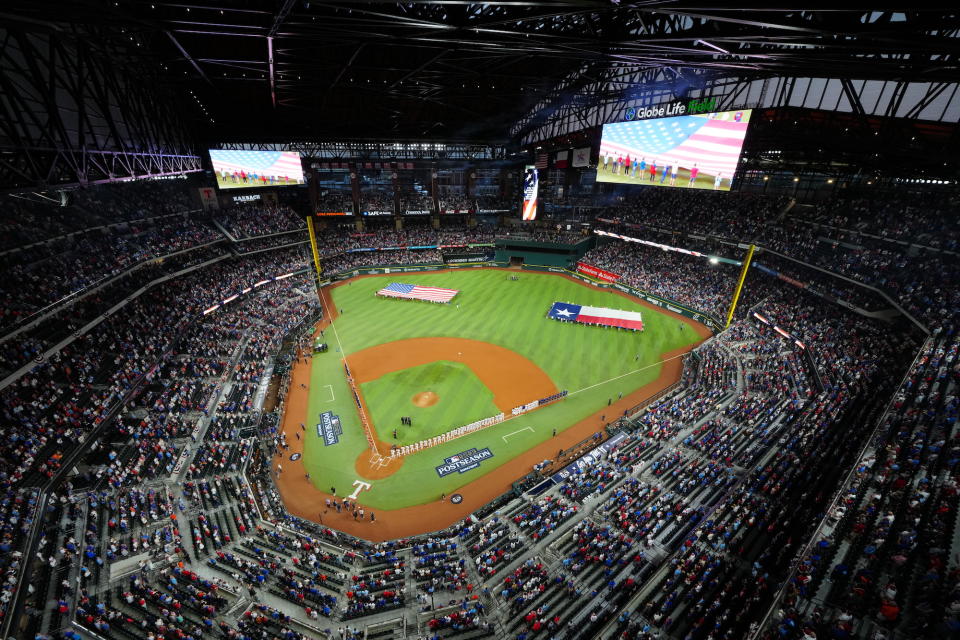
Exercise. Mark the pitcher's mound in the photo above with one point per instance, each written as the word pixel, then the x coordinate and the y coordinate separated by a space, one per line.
pixel 425 399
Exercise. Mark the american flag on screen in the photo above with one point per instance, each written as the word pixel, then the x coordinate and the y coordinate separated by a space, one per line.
pixel 416 292
pixel 712 143
pixel 264 163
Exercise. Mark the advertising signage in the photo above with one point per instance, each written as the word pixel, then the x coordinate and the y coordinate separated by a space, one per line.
pixel 678 108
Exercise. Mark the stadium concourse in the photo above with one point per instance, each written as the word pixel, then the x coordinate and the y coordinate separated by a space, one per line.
pixel 702 512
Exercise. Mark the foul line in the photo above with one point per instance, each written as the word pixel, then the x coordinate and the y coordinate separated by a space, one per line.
pixel 530 429
pixel 629 373
pixel 368 433
pixel 334 326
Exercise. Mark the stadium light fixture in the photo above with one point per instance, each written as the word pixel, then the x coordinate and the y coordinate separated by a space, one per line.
pixel 712 46
pixel 796 179
pixel 713 260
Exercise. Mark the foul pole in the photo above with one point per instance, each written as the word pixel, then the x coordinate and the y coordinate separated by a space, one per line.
pixel 736 293
pixel 317 269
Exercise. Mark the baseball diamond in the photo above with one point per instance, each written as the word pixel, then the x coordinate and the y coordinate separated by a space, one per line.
pixel 494 354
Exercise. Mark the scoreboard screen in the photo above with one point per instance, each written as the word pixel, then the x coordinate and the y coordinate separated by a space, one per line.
pixel 243 169
pixel 692 151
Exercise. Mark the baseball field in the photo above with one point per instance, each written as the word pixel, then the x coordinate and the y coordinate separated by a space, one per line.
pixel 446 365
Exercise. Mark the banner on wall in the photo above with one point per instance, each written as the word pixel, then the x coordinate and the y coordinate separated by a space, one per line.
pixel 581 157
pixel 597 272
pixel 208 198
pixel 531 185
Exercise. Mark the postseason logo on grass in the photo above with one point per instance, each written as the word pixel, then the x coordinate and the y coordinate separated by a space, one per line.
pixel 463 461
pixel 329 428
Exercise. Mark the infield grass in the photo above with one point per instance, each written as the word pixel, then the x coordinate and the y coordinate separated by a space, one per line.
pixel 594 364
pixel 461 399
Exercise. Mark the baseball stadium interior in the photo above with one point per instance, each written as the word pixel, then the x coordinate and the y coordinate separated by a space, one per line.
pixel 690 370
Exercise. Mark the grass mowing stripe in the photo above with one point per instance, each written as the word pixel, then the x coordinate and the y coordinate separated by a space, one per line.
pixel 510 314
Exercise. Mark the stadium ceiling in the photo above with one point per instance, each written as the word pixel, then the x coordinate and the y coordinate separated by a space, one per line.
pixel 462 70
pixel 452 70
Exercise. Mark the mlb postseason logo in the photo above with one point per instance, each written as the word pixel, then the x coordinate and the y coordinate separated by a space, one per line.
pixel 329 428
pixel 463 461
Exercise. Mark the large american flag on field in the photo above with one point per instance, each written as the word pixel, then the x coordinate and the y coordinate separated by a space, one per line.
pixel 416 292
pixel 262 163
pixel 712 142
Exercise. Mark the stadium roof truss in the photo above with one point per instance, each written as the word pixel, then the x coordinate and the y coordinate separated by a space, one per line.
pixel 516 71
pixel 75 111
pixel 865 62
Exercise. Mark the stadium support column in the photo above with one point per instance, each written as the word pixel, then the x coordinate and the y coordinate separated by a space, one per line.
pixel 736 293
pixel 434 200
pixel 318 270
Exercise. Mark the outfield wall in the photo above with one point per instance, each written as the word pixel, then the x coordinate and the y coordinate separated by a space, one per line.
pixel 705 319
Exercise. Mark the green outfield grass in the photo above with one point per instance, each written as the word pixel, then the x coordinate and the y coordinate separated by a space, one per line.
pixel 462 399
pixel 594 364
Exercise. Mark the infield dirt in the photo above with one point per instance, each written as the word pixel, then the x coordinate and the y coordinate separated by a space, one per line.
pixel 425 399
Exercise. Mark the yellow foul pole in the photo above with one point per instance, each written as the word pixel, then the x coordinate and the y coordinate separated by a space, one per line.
pixel 318 270
pixel 736 293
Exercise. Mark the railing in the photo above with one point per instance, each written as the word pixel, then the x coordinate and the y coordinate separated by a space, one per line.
pixel 66 465
pixel 829 273
pixel 40 315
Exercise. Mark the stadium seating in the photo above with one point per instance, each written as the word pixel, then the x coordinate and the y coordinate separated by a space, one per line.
pixel 766 481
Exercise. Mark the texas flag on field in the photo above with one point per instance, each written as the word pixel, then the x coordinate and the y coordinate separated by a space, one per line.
pixel 596 315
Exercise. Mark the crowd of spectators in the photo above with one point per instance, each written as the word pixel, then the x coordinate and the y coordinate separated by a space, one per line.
pixel 44 274
pixel 543 234
pixel 721 483
pixel 351 261
pixel 696 284
pixel 414 199
pixel 335 201
pixel 489 205
pixel 27 222
pixel 897 243
pixel 251 220
pixel 271 242
pixel 376 199
pixel 456 202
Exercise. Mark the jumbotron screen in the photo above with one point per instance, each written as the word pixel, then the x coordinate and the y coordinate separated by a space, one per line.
pixel 241 169
pixel 693 152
